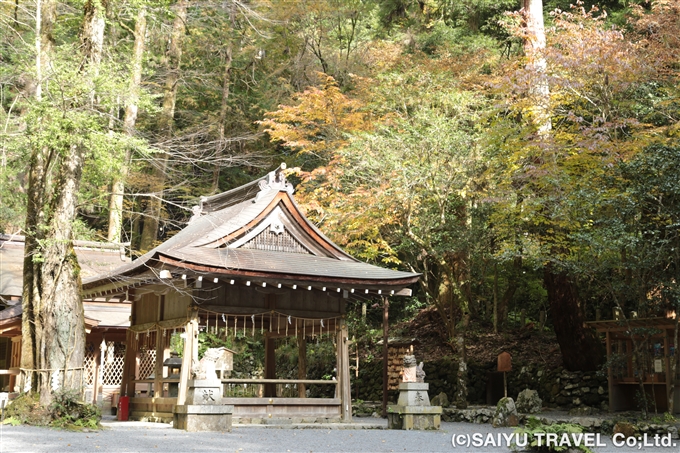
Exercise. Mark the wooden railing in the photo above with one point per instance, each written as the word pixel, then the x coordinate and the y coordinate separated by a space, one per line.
pixel 285 388
pixel 245 388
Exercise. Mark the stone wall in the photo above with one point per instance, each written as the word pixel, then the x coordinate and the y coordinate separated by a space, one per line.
pixel 556 387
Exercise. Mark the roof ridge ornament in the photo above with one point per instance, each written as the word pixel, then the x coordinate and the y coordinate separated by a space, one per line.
pixel 276 180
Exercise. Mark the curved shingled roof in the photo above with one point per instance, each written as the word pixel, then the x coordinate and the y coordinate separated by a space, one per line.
pixel 255 231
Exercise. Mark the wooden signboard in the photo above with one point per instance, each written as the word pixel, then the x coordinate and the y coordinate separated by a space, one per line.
pixel 504 362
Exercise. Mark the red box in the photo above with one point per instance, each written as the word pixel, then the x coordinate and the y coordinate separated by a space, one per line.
pixel 123 408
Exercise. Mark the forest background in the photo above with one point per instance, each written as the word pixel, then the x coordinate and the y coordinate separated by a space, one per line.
pixel 438 136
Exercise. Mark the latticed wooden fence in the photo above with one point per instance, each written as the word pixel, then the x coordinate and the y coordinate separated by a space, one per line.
pixel 112 371
pixel 113 363
pixel 147 363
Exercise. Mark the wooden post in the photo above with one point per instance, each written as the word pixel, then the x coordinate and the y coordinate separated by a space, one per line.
pixel 667 368
pixel 191 334
pixel 610 372
pixel 15 361
pixel 269 365
pixel 302 366
pixel 129 365
pixel 386 306
pixel 158 368
pixel 343 386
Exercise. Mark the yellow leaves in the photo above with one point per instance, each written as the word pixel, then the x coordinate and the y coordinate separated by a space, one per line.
pixel 318 123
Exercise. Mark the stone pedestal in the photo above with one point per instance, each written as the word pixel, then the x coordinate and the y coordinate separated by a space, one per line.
pixel 413 410
pixel 203 410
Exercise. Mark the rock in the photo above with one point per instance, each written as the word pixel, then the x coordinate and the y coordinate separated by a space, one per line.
pixel 528 402
pixel 440 400
pixel 625 428
pixel 506 413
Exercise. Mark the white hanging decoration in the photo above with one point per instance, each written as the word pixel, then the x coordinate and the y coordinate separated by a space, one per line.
pixel 55 380
pixel 223 319
pixel 252 318
pixel 27 385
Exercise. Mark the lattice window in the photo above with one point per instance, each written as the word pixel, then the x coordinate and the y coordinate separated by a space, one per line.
pixel 273 242
pixel 113 363
pixel 147 363
pixel 89 364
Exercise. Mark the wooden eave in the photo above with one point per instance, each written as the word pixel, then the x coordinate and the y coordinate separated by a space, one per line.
pixel 290 278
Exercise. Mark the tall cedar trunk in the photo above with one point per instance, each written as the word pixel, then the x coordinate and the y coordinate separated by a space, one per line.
pixel 580 347
pixel 53 320
pixel 153 211
pixel 118 184
pixel 224 108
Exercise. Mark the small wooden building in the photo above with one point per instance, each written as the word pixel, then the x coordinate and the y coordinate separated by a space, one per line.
pixel 248 261
pixel 106 322
pixel 640 351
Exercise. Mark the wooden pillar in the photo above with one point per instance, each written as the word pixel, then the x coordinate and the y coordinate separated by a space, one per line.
pixel 269 365
pixel 15 361
pixel 302 366
pixel 127 388
pixel 667 368
pixel 343 385
pixel 190 340
pixel 158 368
pixel 610 373
pixel 386 317
pixel 96 370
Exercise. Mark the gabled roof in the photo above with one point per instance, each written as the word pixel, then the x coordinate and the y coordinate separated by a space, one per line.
pixel 255 231
pixel 94 258
pixel 110 315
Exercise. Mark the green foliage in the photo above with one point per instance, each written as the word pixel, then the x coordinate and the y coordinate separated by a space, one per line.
pixel 567 431
pixel 66 411
pixel 26 409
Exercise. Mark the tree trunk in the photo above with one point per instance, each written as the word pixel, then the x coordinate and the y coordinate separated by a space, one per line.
pixel 153 211
pixel 224 108
pixel 580 347
pixel 53 320
pixel 534 45
pixel 118 184
pixel 92 36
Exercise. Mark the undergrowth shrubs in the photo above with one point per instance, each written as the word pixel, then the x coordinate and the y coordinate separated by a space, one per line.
pixel 66 411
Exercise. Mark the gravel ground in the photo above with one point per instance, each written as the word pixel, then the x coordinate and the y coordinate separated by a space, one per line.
pixel 149 437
